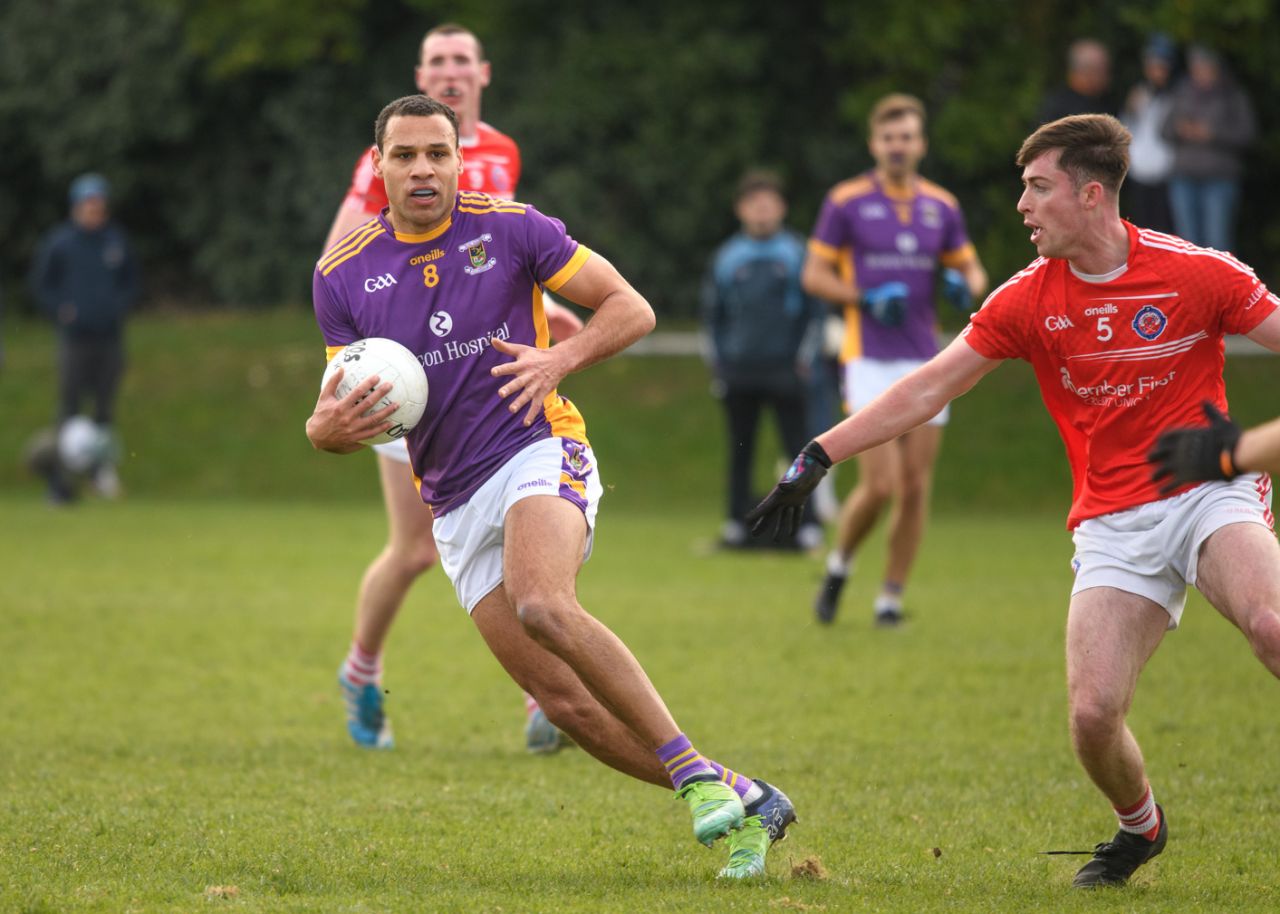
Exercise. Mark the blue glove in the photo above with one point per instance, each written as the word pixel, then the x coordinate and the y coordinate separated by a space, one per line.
pixel 886 302
pixel 956 290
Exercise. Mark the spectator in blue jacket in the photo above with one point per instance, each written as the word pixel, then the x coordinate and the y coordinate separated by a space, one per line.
pixel 764 337
pixel 85 278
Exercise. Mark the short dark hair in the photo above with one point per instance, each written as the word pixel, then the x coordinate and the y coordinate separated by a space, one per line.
pixel 1094 147
pixel 758 179
pixel 894 106
pixel 453 28
pixel 412 106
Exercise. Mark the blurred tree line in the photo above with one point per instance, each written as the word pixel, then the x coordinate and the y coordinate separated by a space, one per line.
pixel 228 128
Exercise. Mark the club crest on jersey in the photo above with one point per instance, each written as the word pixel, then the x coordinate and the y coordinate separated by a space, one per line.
pixel 1149 322
pixel 481 262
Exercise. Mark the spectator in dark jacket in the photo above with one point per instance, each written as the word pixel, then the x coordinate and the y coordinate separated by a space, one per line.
pixel 1088 86
pixel 1210 126
pixel 85 278
pixel 765 335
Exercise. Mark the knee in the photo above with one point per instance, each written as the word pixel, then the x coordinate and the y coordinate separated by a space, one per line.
pixel 546 618
pixel 1263 632
pixel 915 490
pixel 878 490
pixel 1094 718
pixel 415 558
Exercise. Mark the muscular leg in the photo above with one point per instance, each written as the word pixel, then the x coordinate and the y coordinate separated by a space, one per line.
pixel 1111 634
pixel 917 451
pixel 410 550
pixel 560 693
pixel 544 540
pixel 1239 574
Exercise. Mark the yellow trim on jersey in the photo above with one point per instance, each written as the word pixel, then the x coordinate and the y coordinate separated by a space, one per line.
pixel 477 203
pixel 426 236
pixel 481 211
pixel 569 270
pixel 331 351
pixel 566 421
pixel 854 187
pixel 350 246
pixel 960 257
pixel 363 227
pixel 541 329
pixel 852 346
pixel 824 250
pixel 928 189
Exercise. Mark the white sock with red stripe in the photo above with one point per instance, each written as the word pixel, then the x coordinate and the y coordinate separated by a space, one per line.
pixel 530 705
pixel 1142 818
pixel 362 667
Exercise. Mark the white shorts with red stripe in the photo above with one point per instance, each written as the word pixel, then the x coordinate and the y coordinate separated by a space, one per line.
pixel 1152 550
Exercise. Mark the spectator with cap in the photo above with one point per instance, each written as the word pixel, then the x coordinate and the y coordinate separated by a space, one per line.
pixel 1146 109
pixel 85 278
pixel 1210 126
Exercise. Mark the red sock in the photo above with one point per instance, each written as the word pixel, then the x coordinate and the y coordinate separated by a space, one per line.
pixel 1142 818
pixel 361 667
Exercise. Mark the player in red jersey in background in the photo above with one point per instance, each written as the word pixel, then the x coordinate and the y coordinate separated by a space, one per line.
pixel 1124 328
pixel 453 70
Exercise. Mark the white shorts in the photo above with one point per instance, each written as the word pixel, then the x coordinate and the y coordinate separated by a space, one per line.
pixel 470 537
pixel 397 450
pixel 1152 550
pixel 866 379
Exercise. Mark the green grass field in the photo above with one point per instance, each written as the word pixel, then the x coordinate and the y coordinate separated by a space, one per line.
pixel 172 736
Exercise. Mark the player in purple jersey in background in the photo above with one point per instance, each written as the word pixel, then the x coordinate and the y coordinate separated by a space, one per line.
pixel 503 459
pixel 876 250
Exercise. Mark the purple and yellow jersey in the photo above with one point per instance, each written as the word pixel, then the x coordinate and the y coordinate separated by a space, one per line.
pixel 444 295
pixel 875 236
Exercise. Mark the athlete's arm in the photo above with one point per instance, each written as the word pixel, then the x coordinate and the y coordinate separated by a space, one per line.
pixel 1268 332
pixel 1259 449
pixel 562 322
pixel 820 277
pixel 975 277
pixel 621 317
pixel 910 402
pixel 339 425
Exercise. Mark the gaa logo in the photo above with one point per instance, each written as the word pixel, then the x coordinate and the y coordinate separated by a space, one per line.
pixel 1149 322
pixel 441 323
pixel 377 283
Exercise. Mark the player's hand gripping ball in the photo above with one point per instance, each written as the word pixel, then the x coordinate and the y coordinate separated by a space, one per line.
pixel 394 365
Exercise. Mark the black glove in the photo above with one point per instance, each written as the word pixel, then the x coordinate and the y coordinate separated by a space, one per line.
pixel 1195 454
pixel 781 508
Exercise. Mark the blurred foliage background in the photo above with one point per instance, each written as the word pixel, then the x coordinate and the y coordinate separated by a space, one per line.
pixel 229 127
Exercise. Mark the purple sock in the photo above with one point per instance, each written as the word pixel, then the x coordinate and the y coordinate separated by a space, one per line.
pixel 682 761
pixel 739 783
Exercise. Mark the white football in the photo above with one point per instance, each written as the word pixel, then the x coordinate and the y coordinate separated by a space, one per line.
pixel 82 444
pixel 393 364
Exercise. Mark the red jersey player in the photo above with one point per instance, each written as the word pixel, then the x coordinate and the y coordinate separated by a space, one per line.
pixel 452 69
pixel 1124 328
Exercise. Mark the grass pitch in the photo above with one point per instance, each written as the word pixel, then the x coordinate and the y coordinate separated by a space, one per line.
pixel 173 739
